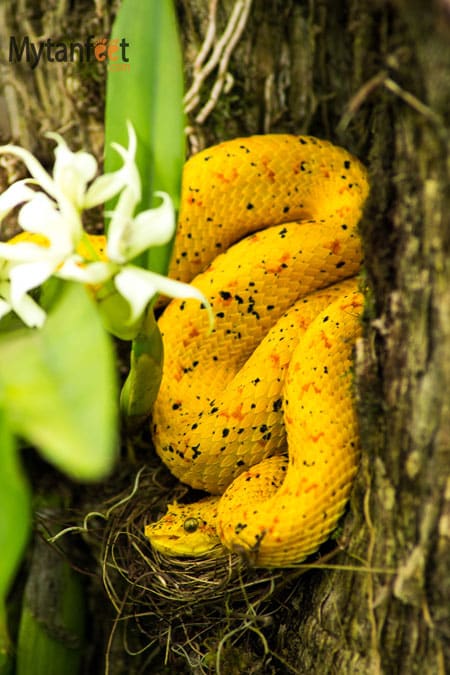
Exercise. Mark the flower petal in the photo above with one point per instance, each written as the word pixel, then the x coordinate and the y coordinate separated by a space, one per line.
pixel 33 165
pixel 110 184
pixel 128 237
pixel 28 275
pixel 22 252
pixel 103 188
pixel 40 216
pixel 29 311
pixel 68 209
pixel 120 225
pixel 139 286
pixel 91 273
pixel 138 291
pixel 153 227
pixel 16 194
pixel 72 170
pixel 5 308
pixel 26 308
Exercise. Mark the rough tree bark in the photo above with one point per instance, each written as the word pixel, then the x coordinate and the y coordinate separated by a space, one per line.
pixel 374 76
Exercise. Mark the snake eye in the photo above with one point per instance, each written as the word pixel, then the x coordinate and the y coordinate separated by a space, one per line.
pixel 190 524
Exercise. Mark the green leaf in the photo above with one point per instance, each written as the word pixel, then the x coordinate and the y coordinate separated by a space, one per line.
pixel 59 390
pixel 52 624
pixel 141 387
pixel 14 523
pixel 150 95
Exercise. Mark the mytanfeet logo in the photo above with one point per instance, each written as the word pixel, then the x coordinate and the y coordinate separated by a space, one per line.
pixel 114 52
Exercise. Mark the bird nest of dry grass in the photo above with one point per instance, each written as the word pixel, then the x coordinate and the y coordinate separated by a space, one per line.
pixel 201 610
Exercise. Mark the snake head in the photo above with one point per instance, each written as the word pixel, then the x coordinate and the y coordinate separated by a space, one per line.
pixel 187 530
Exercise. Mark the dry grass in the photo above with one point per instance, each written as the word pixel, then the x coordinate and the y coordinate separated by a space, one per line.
pixel 195 608
pixel 198 613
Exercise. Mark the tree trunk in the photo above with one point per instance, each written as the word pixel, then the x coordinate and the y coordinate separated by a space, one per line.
pixel 373 76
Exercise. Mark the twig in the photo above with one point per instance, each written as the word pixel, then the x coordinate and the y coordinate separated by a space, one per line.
pixel 412 101
pixel 382 79
pixel 358 99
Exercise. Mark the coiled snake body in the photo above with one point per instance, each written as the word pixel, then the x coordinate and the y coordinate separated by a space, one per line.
pixel 275 372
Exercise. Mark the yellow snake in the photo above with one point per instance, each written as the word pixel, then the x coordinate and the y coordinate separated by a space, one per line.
pixel 275 372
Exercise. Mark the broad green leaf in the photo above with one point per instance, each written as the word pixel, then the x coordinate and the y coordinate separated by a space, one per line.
pixel 14 523
pixel 150 95
pixel 58 387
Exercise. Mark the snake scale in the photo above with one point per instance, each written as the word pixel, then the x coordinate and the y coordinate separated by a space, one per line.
pixel 268 232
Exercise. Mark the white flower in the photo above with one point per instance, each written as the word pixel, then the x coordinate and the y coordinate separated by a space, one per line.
pixel 56 218
pixel 127 238
pixel 53 219
pixel 30 263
